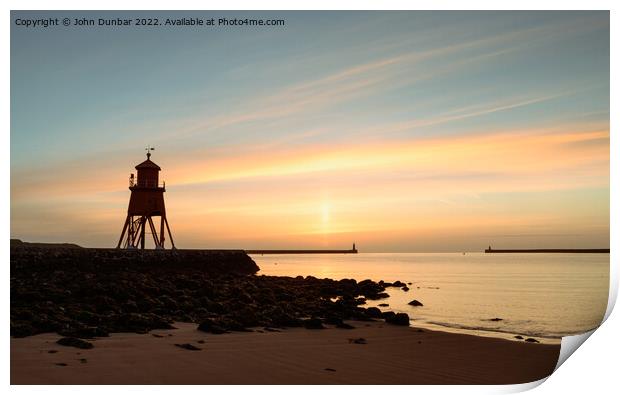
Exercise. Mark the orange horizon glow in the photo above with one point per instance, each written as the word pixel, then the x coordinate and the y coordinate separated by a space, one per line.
pixel 521 161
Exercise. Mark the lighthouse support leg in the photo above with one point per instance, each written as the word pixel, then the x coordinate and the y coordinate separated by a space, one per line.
pixel 161 232
pixel 134 235
pixel 120 241
pixel 154 233
pixel 142 232
pixel 169 233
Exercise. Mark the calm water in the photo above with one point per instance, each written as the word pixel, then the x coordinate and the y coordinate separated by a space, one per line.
pixel 546 296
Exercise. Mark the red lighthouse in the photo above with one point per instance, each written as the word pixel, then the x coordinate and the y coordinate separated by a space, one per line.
pixel 146 202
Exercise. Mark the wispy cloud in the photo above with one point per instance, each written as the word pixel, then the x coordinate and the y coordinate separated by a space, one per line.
pixel 375 76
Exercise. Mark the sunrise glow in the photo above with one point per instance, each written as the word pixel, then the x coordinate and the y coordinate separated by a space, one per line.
pixel 408 138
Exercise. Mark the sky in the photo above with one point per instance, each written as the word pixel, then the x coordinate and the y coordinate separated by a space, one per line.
pixel 399 131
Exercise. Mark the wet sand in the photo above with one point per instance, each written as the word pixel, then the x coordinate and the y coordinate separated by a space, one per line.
pixel 391 355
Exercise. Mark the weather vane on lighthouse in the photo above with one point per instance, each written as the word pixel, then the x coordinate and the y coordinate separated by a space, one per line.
pixel 146 202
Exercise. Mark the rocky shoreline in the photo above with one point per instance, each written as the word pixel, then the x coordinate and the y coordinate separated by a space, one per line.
pixel 87 293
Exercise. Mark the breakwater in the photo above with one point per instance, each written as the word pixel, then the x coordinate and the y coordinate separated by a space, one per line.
pixel 263 252
pixel 41 258
pixel 552 250
pixel 91 292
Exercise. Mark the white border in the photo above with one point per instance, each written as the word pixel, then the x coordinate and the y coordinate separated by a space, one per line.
pixel 312 5
pixel 595 365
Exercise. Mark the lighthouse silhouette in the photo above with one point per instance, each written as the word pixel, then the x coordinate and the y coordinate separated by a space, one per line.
pixel 146 202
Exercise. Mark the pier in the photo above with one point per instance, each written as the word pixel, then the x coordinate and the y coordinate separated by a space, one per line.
pixel 353 250
pixel 551 250
pixel 262 252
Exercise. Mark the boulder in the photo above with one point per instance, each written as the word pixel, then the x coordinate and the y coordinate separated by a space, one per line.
pixel 211 326
pixel 313 323
pixel 398 319
pixel 369 287
pixel 22 329
pixel 373 312
pixel 376 296
pixel 331 320
pixel 75 342
pixel 188 346
pixel 415 303
pixel 142 323
pixel 387 314
pixel 87 332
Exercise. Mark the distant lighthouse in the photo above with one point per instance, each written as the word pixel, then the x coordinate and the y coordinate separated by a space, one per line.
pixel 146 202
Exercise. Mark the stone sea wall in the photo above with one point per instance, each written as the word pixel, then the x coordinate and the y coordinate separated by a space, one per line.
pixel 27 258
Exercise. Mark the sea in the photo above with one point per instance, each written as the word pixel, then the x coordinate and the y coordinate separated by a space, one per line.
pixel 544 296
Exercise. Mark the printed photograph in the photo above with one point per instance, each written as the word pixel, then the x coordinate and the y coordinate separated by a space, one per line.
pixel 306 197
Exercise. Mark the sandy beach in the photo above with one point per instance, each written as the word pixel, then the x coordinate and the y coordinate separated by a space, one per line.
pixel 391 355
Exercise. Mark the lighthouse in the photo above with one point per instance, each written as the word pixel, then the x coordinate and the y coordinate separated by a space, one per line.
pixel 146 202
